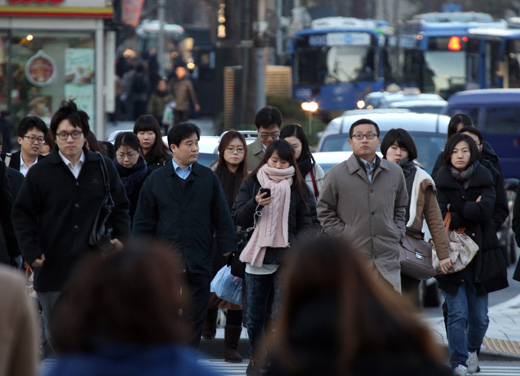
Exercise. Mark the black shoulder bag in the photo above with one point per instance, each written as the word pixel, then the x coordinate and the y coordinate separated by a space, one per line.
pixel 101 233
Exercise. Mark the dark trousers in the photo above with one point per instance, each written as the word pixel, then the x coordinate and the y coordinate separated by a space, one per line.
pixel 198 285
pixel 180 116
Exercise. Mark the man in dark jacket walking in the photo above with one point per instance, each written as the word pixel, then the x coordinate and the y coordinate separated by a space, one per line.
pixel 183 203
pixel 58 203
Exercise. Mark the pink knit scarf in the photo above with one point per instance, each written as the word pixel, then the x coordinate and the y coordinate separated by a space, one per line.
pixel 272 228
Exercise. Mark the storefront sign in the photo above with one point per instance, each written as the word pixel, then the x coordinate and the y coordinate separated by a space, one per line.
pixel 36 1
pixel 40 69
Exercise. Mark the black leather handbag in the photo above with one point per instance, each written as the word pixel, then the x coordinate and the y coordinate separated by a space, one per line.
pixel 101 233
pixel 416 256
pixel 238 268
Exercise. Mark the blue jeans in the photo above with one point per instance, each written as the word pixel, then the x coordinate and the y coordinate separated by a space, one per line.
pixel 467 320
pixel 259 289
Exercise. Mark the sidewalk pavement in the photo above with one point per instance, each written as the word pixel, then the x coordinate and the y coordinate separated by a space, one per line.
pixel 503 334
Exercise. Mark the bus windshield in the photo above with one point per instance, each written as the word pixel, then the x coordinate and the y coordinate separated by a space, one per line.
pixel 325 64
pixel 444 72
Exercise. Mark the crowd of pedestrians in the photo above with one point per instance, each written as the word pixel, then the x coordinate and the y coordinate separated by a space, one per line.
pixel 322 282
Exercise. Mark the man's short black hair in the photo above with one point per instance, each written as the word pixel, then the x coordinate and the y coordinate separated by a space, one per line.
pixel 182 131
pixel 30 122
pixel 69 111
pixel 363 121
pixel 268 116
pixel 474 131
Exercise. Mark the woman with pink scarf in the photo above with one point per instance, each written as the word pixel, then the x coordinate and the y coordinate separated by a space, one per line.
pixel 278 218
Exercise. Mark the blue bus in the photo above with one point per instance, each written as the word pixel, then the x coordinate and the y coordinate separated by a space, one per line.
pixel 493 58
pixel 337 62
pixel 429 51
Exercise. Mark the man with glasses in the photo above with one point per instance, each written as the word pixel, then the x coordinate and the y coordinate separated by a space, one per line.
pixel 55 210
pixel 31 137
pixel 268 123
pixel 364 200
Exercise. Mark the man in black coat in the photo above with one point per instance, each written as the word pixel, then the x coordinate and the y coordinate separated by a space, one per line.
pixel 183 203
pixel 58 203
pixel 31 137
pixel 10 254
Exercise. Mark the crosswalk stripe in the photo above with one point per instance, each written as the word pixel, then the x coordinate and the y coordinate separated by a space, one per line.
pixel 230 369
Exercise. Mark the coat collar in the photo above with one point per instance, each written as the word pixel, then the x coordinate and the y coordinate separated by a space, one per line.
pixel 54 156
pixel 195 170
pixel 354 167
pixel 256 147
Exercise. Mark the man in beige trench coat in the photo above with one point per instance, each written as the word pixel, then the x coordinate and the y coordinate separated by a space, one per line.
pixel 364 200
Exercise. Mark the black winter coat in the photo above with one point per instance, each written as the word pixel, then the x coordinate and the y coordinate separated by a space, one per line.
pixel 54 214
pixel 7 231
pixel 489 269
pixel 300 216
pixel 186 216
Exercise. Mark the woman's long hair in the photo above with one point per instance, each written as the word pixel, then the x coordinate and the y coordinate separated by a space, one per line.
pixel 131 297
pixel 455 120
pixel 146 123
pixel 285 152
pixel 296 130
pixel 222 170
pixel 369 315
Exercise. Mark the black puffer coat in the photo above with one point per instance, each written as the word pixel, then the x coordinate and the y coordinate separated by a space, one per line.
pixel 489 267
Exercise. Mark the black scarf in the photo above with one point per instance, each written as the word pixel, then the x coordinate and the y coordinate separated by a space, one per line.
pixel 132 176
pixel 409 170
pixel 463 176
pixel 305 165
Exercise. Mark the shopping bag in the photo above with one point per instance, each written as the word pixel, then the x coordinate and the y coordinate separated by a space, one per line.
pixel 226 286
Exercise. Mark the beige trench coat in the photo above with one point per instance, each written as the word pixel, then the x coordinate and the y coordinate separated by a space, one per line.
pixel 370 215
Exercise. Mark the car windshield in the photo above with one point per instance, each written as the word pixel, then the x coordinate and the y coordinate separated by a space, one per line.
pixel 429 145
pixel 206 159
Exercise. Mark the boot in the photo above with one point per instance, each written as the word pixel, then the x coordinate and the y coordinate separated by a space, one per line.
pixel 209 330
pixel 231 338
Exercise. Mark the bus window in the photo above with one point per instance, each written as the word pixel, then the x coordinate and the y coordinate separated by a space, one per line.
pixel 513 64
pixel 502 120
pixel 492 58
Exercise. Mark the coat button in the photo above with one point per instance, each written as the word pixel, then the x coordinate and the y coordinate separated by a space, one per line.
pixel 373 213
pixel 77 184
pixel 76 205
pixel 375 257
pixel 76 227
pixel 371 191
pixel 374 235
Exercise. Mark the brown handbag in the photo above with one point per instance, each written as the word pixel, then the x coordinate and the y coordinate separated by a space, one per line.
pixel 416 256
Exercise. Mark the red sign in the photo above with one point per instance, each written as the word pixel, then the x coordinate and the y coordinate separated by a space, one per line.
pixel 132 11
pixel 36 1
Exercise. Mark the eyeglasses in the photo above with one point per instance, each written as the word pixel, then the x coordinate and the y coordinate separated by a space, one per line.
pixel 65 135
pixel 232 149
pixel 32 139
pixel 272 135
pixel 359 136
pixel 130 155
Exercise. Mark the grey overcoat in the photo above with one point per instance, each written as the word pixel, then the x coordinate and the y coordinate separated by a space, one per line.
pixel 372 215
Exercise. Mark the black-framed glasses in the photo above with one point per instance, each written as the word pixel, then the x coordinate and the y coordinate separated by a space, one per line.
pixel 32 139
pixel 272 134
pixel 359 136
pixel 65 135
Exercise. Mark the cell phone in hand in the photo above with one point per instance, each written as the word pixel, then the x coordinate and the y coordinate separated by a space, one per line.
pixel 268 190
